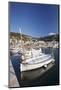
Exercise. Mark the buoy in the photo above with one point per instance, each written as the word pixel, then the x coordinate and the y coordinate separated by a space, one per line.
pixel 45 65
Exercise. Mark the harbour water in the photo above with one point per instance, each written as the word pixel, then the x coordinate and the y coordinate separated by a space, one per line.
pixel 50 77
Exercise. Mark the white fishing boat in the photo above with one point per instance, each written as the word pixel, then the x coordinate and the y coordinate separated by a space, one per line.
pixel 34 58
pixel 37 60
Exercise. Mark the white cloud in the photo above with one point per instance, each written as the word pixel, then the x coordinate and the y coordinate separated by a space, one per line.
pixel 51 33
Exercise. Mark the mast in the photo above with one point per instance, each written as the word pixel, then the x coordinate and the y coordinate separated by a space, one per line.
pixel 31 46
pixel 22 48
pixel 20 36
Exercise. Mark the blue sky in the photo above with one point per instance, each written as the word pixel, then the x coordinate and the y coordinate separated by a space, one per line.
pixel 36 20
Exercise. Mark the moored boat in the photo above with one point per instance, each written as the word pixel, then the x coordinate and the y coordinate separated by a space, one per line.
pixel 35 61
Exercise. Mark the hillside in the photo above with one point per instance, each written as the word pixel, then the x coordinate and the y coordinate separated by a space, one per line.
pixel 50 38
pixel 18 36
pixel 27 37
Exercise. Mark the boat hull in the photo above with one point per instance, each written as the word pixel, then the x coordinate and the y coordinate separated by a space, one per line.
pixel 32 74
pixel 28 67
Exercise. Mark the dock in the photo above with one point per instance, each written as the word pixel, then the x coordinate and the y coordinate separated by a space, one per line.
pixel 13 82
